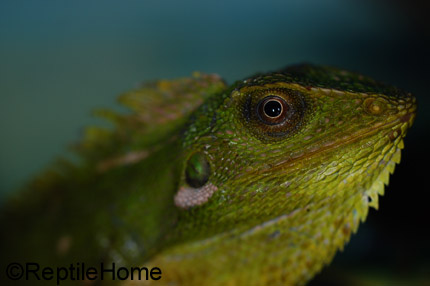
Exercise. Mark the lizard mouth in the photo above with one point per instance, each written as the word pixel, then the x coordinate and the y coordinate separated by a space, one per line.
pixel 394 129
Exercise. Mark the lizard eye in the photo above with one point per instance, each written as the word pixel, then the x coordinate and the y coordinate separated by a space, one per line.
pixel 273 110
pixel 271 113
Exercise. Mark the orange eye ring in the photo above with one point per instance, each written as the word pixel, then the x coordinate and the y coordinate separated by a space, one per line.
pixel 273 110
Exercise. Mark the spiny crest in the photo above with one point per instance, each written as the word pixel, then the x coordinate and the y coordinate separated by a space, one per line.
pixel 158 110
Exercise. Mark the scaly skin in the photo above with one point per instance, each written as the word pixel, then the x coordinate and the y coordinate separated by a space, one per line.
pixel 199 181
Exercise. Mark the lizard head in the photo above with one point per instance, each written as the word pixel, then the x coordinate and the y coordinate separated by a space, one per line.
pixel 302 152
pixel 280 125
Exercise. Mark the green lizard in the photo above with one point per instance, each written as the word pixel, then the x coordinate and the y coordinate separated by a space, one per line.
pixel 258 183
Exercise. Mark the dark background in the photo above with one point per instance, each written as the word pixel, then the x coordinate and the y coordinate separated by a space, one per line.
pixel 61 59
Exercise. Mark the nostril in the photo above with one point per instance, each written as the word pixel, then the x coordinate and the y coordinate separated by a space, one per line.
pixel 375 106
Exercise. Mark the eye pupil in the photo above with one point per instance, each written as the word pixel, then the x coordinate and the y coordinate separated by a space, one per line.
pixel 273 108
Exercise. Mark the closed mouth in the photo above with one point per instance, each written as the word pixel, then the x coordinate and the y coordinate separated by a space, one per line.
pixel 351 139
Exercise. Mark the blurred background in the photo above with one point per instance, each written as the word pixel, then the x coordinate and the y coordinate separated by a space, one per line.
pixel 61 59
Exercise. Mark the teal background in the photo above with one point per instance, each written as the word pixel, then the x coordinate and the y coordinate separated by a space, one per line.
pixel 61 59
